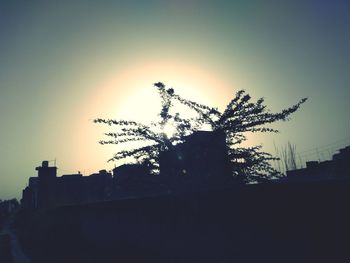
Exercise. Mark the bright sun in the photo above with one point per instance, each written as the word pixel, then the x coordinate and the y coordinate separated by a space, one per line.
pixel 129 94
pixel 169 130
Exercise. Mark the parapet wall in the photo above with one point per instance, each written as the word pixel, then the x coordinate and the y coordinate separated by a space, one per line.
pixel 256 223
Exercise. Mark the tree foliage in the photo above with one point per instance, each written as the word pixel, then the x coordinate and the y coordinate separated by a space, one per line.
pixel 240 116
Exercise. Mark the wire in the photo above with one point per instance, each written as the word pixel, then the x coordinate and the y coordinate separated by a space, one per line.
pixel 344 141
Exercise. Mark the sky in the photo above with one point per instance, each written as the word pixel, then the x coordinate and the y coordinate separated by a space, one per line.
pixel 64 63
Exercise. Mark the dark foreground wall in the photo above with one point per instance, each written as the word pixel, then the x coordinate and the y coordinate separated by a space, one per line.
pixel 256 223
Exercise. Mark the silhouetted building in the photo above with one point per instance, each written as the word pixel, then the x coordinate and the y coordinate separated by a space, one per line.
pixel 342 161
pixel 77 189
pixel 130 170
pixel 134 180
pixel 338 167
pixel 30 194
pixel 48 190
pixel 200 161
pixel 46 184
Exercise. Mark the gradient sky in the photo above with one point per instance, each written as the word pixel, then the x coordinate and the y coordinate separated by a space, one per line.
pixel 63 63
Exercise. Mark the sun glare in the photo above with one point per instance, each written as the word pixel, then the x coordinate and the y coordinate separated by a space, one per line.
pixel 128 94
pixel 136 98
pixel 169 130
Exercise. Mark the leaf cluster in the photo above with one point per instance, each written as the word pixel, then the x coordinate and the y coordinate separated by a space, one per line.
pixel 240 116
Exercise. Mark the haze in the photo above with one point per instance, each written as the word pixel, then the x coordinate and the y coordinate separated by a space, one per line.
pixel 63 64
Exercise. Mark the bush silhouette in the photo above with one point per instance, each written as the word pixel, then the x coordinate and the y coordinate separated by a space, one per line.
pixel 241 115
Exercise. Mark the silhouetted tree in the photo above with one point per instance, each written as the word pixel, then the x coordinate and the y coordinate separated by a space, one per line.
pixel 130 131
pixel 153 135
pixel 241 115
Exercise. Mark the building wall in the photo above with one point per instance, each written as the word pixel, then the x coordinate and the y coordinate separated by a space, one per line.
pixel 199 163
pixel 338 167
